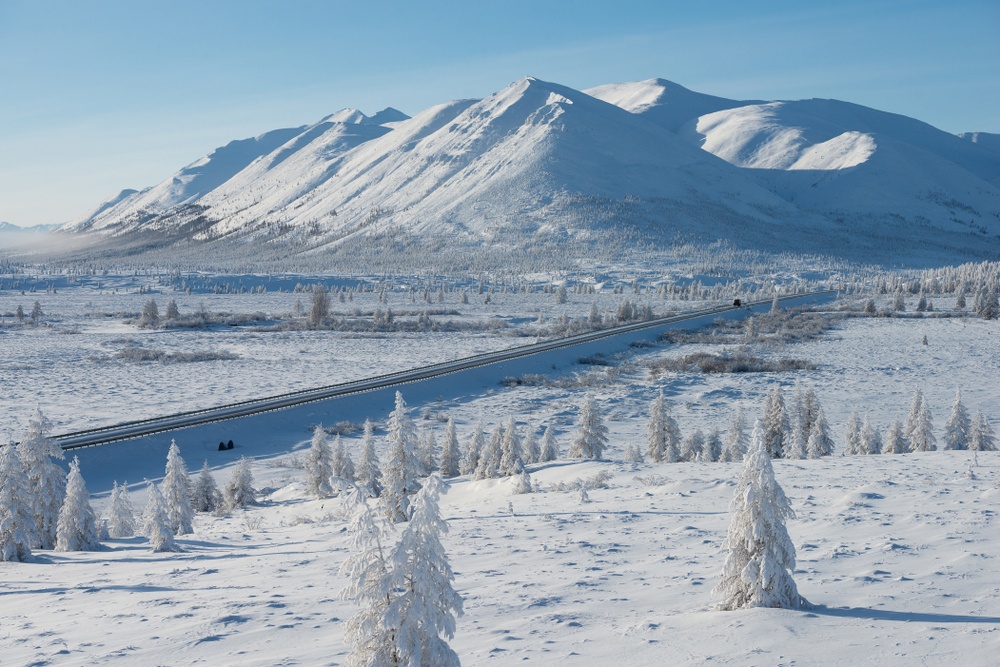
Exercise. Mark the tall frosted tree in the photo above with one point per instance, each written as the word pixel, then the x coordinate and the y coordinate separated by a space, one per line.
pixel 663 437
pixel 121 514
pixel 510 450
pixel 319 465
pixel 17 521
pixel 550 446
pixel 205 494
pixel 735 446
pixel 177 493
pixel 156 523
pixel 239 491
pixel 760 556
pixel 797 445
pixel 450 451
pixel 427 452
pixel 401 468
pixel 774 423
pixel 342 464
pixel 895 442
pixel 693 447
pixel 470 457
pixel 77 526
pixel 916 404
pixel 922 436
pixel 819 443
pixel 369 468
pixel 958 426
pixel 426 604
pixel 982 437
pixel 852 436
pixel 532 451
pixel 490 455
pixel 46 478
pixel 592 435
pixel 870 441
pixel 713 446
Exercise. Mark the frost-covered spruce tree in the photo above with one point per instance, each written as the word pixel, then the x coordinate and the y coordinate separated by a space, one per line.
pixel 177 493
pixel 470 458
pixel 121 514
pixel 46 478
pixel 895 442
pixel 371 638
pixel 319 465
pixel 735 446
pixel 239 491
pixel 693 446
pixel 18 532
pixel 852 436
pixel 489 456
pixel 798 447
pixel 819 443
pixel 523 483
pixel 981 436
pixel 77 526
pixel 916 403
pixel 427 604
pixel 205 494
pixel 550 448
pixel 632 453
pixel 591 435
pixel 870 441
pixel 531 451
pixel 156 524
pixel 369 468
pixel 510 450
pixel 342 463
pixel 663 437
pixel 760 556
pixel 427 452
pixel 775 422
pixel 809 411
pixel 399 477
pixel 958 426
pixel 713 446
pixel 449 452
pixel 922 437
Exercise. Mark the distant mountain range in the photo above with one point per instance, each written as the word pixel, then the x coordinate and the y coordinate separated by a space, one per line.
pixel 650 162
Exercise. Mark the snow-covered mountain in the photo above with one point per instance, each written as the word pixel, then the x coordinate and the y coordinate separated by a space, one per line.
pixel 650 160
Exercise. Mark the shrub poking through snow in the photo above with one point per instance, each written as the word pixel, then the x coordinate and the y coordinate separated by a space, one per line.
pixel 760 555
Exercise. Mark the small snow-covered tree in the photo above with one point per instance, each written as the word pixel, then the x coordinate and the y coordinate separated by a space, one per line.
pixel 172 312
pixel 550 448
pixel 775 422
pixel 427 452
pixel 369 468
pixel 592 435
pixel 177 493
pixel 17 521
pixel 239 491
pixel 735 446
pixel 401 468
pixel 121 514
pixel 523 484
pixel 427 604
pixel 895 442
pixel 797 447
pixel 819 443
pixel 663 436
pixel 150 315
pixel 916 403
pixel 77 526
pixel 510 450
pixel 156 524
pixel 531 451
pixel 693 447
pixel 922 436
pixel 205 494
pixel 470 458
pixel 46 478
pixel 852 436
pixel 490 455
pixel 342 463
pixel 319 311
pixel 958 426
pixel 319 465
pixel 870 440
pixel 760 556
pixel 981 436
pixel 713 446
pixel 632 453
pixel 449 452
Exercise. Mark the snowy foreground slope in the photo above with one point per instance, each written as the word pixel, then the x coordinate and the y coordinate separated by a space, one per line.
pixel 897 553
pixel 537 162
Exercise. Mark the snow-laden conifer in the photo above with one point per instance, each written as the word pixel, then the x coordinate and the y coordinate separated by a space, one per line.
pixel 550 447
pixel 18 532
pixel 121 514
pixel 797 447
pixel 239 491
pixel 735 446
pixel 426 605
pixel 958 426
pixel 870 440
pixel 510 450
pixel 46 478
pixel 205 494
pixel 77 526
pixel 916 404
pixel 592 435
pixel 156 523
pixel 760 556
pixel 427 452
pixel 632 453
pixel 369 468
pixel 775 423
pixel 319 465
pixel 401 471
pixel 819 443
pixel 177 492
pixel 470 457
pixel 342 463
pixel 490 455
pixel 663 437
pixel 981 436
pixel 713 446
pixel 895 441
pixel 449 451
pixel 531 450
pixel 922 436
pixel 693 446
pixel 852 436
pixel 523 484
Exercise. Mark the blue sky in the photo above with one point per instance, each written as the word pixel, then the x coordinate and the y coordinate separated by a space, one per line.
pixel 102 95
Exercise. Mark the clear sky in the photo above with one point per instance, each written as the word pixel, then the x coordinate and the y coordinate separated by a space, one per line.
pixel 100 95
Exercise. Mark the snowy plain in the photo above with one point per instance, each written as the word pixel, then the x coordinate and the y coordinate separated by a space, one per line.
pixel 897 553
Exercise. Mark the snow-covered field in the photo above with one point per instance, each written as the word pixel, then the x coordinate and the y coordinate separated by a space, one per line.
pixel 897 553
